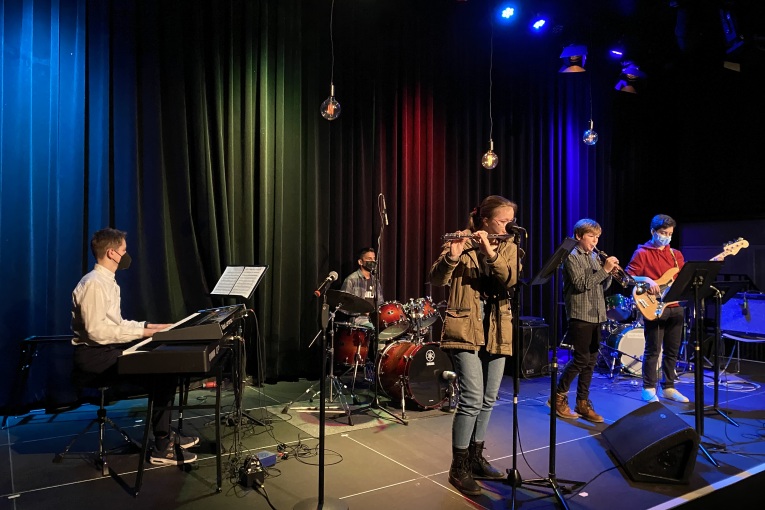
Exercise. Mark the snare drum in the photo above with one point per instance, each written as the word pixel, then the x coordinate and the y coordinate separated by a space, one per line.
pixel 422 310
pixel 619 307
pixel 393 321
pixel 351 344
pixel 629 344
pixel 416 369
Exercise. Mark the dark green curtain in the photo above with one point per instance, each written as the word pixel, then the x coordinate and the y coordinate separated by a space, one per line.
pixel 195 127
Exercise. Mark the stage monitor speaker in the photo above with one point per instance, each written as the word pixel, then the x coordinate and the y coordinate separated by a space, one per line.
pixel 653 445
pixel 534 349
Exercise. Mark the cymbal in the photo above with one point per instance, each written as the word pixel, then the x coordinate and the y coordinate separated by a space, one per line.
pixel 348 302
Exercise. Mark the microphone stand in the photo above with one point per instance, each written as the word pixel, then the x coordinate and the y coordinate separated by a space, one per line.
pixel 375 403
pixel 513 475
pixel 320 502
pixel 549 269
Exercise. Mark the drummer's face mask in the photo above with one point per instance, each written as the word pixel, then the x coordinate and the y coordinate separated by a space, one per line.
pixel 370 265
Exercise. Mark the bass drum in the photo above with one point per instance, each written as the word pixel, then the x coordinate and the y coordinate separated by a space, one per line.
pixel 418 367
pixel 629 343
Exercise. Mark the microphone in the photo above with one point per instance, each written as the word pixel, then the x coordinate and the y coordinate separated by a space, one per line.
pixel 449 375
pixel 330 278
pixel 512 228
pixel 385 209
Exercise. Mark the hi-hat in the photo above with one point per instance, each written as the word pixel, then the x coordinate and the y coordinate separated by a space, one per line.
pixel 348 302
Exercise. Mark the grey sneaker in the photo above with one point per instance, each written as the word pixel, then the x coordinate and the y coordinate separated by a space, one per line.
pixel 171 456
pixel 183 441
pixel 673 394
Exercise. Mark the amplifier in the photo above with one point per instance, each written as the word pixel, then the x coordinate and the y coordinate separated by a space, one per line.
pixel 534 350
pixel 744 313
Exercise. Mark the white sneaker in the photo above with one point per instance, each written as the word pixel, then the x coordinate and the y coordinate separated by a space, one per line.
pixel 673 394
pixel 649 395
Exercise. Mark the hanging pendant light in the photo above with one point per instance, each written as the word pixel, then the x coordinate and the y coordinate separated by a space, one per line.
pixel 490 160
pixel 330 108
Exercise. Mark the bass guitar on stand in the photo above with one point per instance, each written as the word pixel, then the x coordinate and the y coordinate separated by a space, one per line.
pixel 651 305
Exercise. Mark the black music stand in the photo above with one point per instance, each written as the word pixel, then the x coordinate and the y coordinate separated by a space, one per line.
pixel 240 282
pixel 693 283
pixel 723 291
pixel 548 271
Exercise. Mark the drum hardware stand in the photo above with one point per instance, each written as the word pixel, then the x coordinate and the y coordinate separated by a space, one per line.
pixel 694 283
pixel 375 402
pixel 551 482
pixel 332 381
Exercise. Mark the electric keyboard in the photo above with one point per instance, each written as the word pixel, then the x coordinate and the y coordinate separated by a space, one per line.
pixel 192 345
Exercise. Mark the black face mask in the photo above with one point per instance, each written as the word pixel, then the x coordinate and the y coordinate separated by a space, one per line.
pixel 370 265
pixel 125 261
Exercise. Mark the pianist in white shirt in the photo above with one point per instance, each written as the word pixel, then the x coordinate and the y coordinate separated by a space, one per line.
pixel 101 334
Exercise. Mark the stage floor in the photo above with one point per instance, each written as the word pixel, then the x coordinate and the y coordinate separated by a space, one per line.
pixel 380 463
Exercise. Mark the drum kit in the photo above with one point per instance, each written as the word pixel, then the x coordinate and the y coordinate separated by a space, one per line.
pixel 623 338
pixel 406 366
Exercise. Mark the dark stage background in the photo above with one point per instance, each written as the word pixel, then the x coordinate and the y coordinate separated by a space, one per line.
pixel 195 127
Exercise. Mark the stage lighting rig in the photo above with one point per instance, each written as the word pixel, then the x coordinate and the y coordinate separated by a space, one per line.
pixel 574 57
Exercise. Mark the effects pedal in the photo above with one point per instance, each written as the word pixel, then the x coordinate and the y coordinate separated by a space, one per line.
pixel 251 473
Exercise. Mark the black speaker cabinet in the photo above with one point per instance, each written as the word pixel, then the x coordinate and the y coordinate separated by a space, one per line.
pixel 654 445
pixel 534 349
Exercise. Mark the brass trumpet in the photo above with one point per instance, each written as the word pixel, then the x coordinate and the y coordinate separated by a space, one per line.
pixel 617 272
pixel 454 237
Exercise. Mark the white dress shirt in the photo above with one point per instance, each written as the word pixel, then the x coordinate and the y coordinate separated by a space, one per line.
pixel 96 315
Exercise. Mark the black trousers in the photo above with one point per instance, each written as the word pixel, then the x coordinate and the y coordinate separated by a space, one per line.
pixel 663 336
pixel 585 338
pixel 101 361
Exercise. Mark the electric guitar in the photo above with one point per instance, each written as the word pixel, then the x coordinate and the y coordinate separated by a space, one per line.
pixel 651 305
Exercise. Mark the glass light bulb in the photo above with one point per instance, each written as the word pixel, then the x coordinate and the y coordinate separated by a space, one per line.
pixel 590 136
pixel 490 160
pixel 330 108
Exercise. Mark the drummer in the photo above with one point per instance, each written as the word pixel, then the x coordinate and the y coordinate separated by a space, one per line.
pixel 361 283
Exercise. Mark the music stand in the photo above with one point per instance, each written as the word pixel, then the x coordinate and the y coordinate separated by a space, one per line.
pixel 548 271
pixel 240 282
pixel 693 283
pixel 723 291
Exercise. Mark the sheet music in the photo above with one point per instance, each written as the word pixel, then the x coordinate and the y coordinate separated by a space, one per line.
pixel 239 281
pixel 131 350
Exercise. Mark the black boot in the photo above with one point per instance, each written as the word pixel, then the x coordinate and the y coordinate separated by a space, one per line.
pixel 459 473
pixel 479 466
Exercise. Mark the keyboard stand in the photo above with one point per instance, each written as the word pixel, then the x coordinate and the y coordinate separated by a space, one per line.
pixel 183 400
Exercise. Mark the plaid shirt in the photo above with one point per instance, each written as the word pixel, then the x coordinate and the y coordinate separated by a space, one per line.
pixel 584 281
pixel 356 284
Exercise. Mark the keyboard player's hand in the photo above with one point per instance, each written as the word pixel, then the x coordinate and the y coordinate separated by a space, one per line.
pixel 152 328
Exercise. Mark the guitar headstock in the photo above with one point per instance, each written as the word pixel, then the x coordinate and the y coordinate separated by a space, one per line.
pixel 733 247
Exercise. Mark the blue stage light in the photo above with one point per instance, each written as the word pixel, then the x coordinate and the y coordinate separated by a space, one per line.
pixel 538 24
pixel 506 13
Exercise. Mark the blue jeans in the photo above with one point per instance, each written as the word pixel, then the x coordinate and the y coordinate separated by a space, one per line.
pixel 479 375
